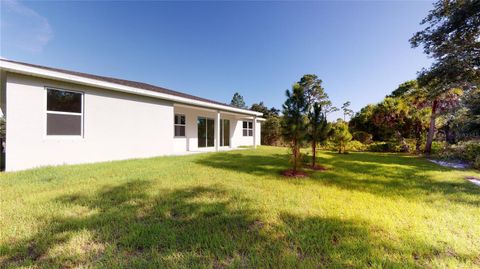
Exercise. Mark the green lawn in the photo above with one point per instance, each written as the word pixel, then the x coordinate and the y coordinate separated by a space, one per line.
pixel 233 209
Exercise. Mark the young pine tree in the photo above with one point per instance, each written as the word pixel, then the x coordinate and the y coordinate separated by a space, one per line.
pixel 318 128
pixel 294 124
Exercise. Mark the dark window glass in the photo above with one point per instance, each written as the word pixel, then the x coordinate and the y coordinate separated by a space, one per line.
pixel 180 119
pixel 206 132
pixel 221 132
pixel 225 132
pixel 179 125
pixel 202 132
pixel 247 128
pixel 179 130
pixel 210 133
pixel 64 101
pixel 59 124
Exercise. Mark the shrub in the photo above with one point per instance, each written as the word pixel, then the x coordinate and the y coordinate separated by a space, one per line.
pixel 466 151
pixel 382 147
pixel 476 164
pixel 438 146
pixel 341 135
pixel 471 150
pixel 362 137
pixel 355 146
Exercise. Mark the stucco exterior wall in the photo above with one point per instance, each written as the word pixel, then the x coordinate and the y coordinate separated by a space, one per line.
pixel 116 126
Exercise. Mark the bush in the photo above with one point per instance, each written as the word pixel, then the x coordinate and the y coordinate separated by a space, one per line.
pixel 438 146
pixel 341 135
pixel 382 147
pixel 355 146
pixel 465 151
pixel 471 150
pixel 476 164
pixel 362 137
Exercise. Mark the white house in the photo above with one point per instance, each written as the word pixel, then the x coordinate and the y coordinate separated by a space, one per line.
pixel 57 116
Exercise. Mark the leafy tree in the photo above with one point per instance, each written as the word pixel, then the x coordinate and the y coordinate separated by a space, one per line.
pixel 318 128
pixel 260 107
pixel 463 123
pixel 271 131
pixel 238 101
pixel 273 111
pixel 362 121
pixel 472 103
pixel 341 135
pixel 294 125
pixel 363 137
pixel 452 38
pixel 346 110
pixel 391 114
pixel 404 113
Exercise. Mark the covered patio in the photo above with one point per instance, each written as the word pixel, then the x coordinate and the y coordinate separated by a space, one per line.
pixel 200 129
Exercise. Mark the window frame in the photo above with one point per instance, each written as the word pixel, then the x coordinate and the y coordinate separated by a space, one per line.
pixel 81 114
pixel 248 129
pixel 179 124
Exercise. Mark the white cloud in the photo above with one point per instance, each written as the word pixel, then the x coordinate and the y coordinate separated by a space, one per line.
pixel 22 27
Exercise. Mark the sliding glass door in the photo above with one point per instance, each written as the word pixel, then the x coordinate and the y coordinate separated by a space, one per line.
pixel 206 132
pixel 224 133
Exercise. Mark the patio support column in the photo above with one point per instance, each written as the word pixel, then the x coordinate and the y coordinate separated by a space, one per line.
pixel 255 132
pixel 217 131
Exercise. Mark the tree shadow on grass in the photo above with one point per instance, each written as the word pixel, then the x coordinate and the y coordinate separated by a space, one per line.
pixel 336 243
pixel 128 227
pixel 396 175
pixel 381 174
pixel 185 227
pixel 259 165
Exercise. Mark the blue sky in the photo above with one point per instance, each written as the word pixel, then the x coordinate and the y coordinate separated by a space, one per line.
pixel 212 49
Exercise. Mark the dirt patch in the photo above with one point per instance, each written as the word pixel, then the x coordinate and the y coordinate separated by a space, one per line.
pixel 318 167
pixel 295 174
pixel 256 226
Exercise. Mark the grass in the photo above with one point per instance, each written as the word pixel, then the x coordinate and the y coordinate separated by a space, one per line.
pixel 233 209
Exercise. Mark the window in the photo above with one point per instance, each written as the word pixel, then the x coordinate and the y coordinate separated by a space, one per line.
pixel 247 128
pixel 64 112
pixel 179 125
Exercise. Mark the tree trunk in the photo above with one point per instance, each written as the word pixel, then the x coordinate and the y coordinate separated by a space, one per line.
pixel 431 129
pixel 295 156
pixel 314 150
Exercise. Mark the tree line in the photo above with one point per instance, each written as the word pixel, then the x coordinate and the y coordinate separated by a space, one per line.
pixel 443 102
